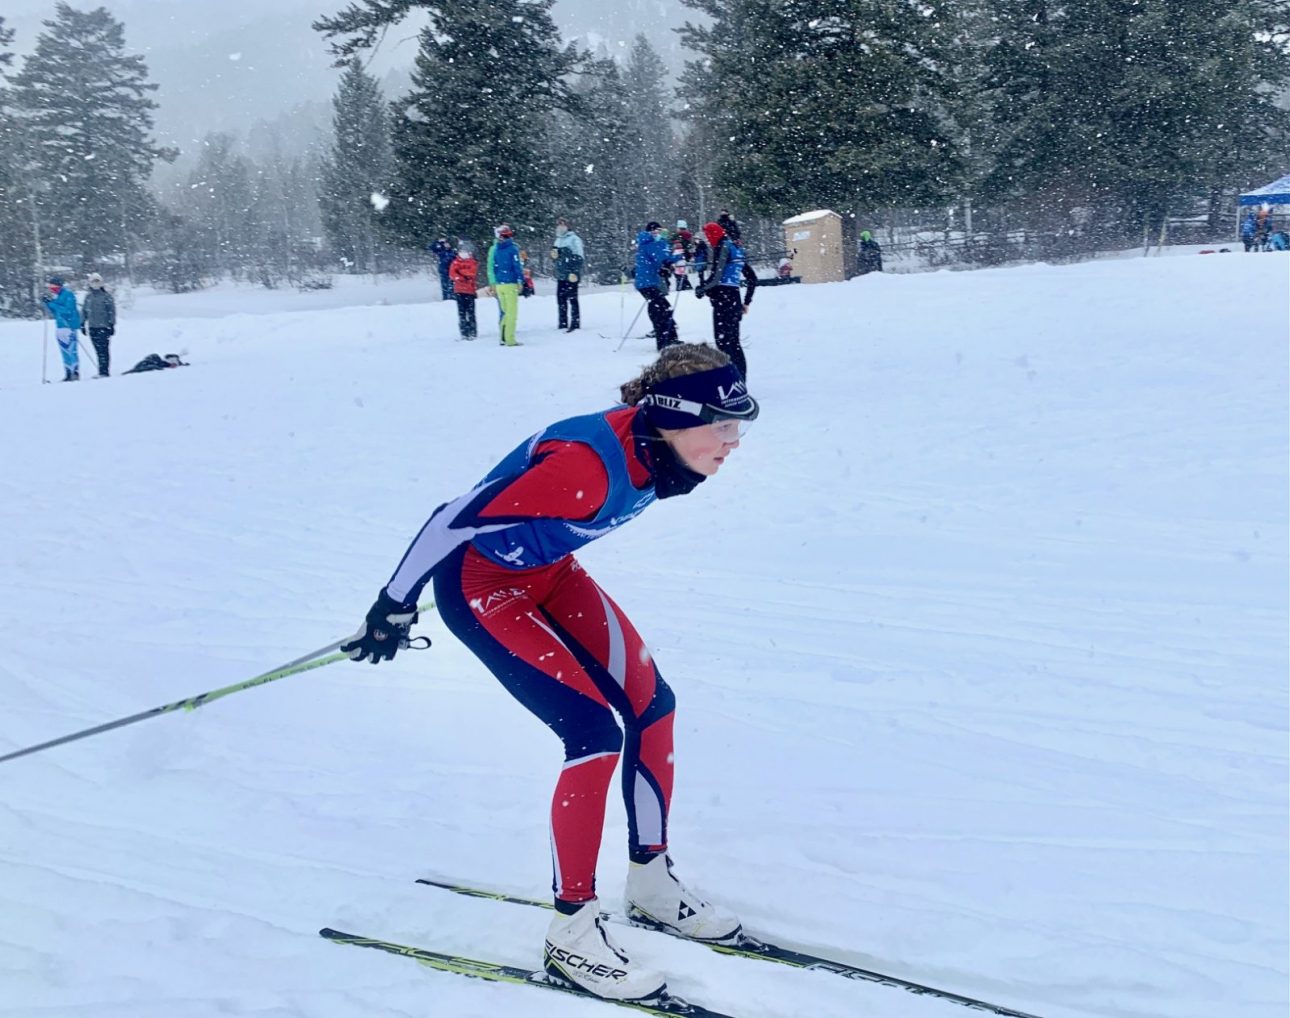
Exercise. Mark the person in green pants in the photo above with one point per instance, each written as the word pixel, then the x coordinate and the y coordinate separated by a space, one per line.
pixel 505 276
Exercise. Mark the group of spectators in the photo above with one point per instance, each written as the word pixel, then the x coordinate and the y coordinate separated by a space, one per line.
pixel 662 259
pixel 1259 233
pixel 96 318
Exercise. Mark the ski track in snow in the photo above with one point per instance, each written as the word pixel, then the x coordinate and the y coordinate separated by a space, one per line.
pixel 979 643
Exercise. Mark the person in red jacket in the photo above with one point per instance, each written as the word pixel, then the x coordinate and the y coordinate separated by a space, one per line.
pixel 463 272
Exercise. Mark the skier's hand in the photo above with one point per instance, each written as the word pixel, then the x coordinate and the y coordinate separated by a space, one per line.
pixel 573 277
pixel 83 332
pixel 745 309
pixel 111 330
pixel 701 291
pixel 384 632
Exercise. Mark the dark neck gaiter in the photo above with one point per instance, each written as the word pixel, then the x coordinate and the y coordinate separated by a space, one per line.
pixel 671 476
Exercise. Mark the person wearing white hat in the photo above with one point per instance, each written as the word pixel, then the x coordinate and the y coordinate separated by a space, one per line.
pixel 98 319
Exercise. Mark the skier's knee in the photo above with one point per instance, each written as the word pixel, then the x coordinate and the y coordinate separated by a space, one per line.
pixel 601 736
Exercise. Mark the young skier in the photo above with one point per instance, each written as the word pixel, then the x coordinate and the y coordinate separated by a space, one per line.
pixel 463 272
pixel 507 585
pixel 98 316
pixel 60 302
pixel 505 276
pixel 729 265
pixel 652 256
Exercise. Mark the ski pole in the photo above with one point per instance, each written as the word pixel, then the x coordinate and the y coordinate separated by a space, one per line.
pixel 85 350
pixel 44 349
pixel 315 659
pixel 630 327
pixel 622 294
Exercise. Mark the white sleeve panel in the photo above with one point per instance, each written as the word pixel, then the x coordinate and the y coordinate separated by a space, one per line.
pixel 441 535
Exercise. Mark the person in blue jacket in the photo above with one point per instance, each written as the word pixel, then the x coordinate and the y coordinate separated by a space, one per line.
pixel 653 253
pixel 505 277
pixel 1249 227
pixel 729 268
pixel 443 251
pixel 60 302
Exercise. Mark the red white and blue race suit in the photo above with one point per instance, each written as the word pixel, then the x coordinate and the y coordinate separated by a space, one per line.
pixel 507 585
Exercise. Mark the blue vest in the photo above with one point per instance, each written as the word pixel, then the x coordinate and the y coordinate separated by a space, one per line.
pixel 733 274
pixel 541 542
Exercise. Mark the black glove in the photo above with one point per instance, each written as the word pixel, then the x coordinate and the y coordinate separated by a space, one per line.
pixel 111 330
pixel 701 291
pixel 384 632
pixel 83 332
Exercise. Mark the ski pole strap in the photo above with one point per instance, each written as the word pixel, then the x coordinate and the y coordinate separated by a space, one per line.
pixel 316 659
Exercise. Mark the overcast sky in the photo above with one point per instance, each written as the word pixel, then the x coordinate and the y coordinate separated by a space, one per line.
pixel 228 64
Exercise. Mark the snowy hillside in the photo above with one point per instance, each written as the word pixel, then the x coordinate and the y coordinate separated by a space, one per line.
pixel 979 644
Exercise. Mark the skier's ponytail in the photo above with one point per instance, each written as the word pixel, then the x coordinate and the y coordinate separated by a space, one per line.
pixel 675 360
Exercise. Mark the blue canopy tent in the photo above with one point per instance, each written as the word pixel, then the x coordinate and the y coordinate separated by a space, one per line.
pixel 1276 193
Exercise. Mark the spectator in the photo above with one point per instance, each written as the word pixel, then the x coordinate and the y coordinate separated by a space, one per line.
pixel 1279 241
pixel 60 302
pixel 505 276
pixel 464 273
pixel 870 254
pixel 443 251
pixel 686 236
pixel 1249 227
pixel 652 258
pixel 1263 228
pixel 527 289
pixel 568 255
pixel 683 244
pixel 98 315
pixel 729 267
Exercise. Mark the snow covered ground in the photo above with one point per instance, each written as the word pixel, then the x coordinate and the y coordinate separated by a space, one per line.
pixel 979 641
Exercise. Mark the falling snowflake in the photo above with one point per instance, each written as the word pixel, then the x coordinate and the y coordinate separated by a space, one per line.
pixel 379 201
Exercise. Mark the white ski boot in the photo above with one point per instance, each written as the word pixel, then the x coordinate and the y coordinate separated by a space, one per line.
pixel 655 898
pixel 579 951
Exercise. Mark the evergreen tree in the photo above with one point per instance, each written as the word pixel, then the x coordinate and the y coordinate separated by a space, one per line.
pixel 358 167
pixel 1115 113
pixel 468 140
pixel 838 103
pixel 596 170
pixel 177 258
pixel 85 105
pixel 284 217
pixel 6 40
pixel 17 244
pixel 218 202
pixel 652 184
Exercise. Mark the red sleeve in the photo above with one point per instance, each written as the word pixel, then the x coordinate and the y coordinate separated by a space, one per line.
pixel 567 482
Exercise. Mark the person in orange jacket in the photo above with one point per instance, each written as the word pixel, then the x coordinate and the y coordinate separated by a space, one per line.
pixel 526 289
pixel 463 272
